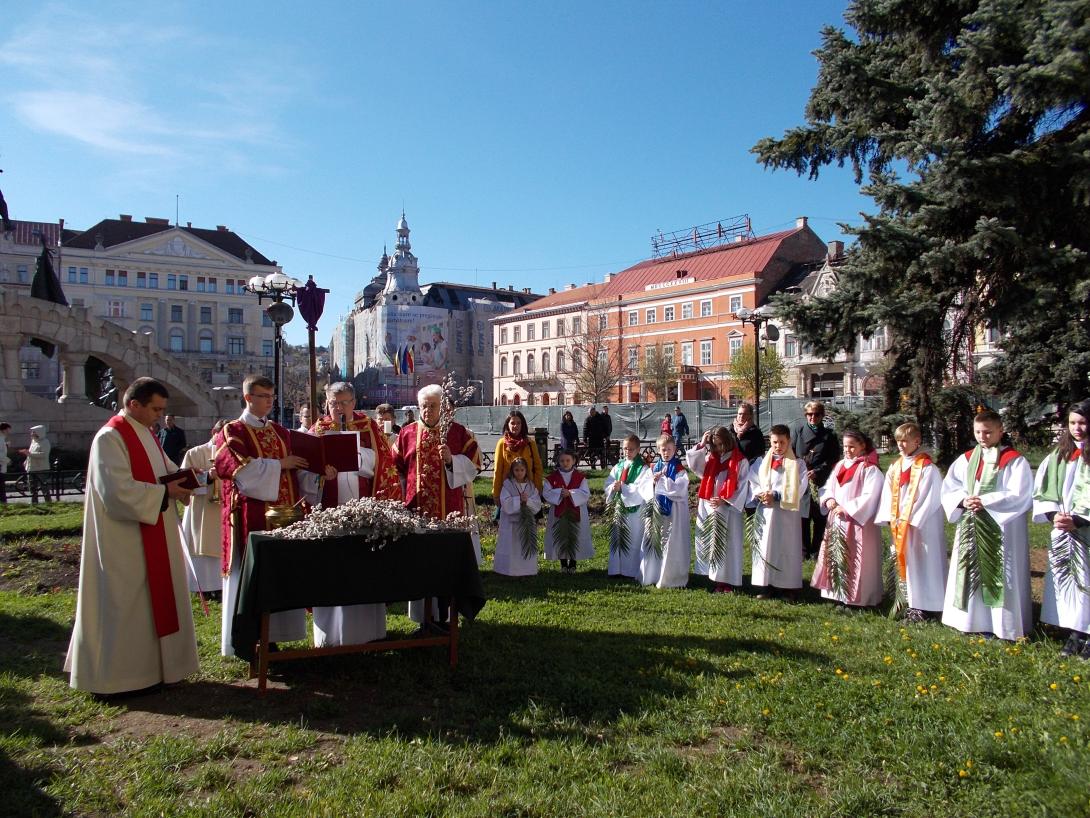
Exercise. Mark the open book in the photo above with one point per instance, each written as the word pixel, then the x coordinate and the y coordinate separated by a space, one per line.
pixel 337 449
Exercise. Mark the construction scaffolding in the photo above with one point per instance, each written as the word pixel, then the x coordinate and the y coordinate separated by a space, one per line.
pixel 701 237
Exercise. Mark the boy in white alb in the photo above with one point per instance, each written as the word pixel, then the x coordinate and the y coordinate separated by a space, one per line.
pixel 778 484
pixel 633 482
pixel 567 526
pixel 666 543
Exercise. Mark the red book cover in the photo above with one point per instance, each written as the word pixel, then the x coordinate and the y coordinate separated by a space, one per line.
pixel 186 478
pixel 337 450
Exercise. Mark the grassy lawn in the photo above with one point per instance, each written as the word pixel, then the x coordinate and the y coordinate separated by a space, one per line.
pixel 576 695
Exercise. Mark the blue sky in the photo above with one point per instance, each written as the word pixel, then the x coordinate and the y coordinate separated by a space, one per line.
pixel 530 144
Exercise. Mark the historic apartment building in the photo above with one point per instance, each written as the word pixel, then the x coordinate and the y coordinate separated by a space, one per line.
pixel 681 305
pixel 181 285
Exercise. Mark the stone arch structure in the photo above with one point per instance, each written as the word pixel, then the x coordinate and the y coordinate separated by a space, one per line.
pixel 78 336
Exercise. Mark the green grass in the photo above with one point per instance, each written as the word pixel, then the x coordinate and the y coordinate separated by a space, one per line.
pixel 42 519
pixel 576 695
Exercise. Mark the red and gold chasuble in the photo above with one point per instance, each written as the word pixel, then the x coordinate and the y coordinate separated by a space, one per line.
pixel 420 463
pixel 237 444
pixel 385 485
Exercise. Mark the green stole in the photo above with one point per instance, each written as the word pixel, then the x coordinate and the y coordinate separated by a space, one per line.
pixel 1052 485
pixel 633 471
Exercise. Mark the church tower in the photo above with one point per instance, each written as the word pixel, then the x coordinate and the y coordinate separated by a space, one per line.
pixel 402 271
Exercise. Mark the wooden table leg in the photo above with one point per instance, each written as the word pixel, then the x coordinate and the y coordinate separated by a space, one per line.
pixel 263 655
pixel 453 634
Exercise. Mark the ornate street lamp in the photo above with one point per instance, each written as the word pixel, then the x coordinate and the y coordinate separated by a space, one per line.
pixel 758 318
pixel 278 288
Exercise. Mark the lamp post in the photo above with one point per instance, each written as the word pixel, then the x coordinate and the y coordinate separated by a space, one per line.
pixel 278 288
pixel 758 318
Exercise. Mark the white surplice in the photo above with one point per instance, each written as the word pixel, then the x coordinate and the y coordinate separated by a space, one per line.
pixel 925 544
pixel 858 498
pixel 202 525
pixel 345 624
pixel 1009 505
pixel 671 570
pixel 509 559
pixel 730 570
pixel 637 493
pixel 114 645
pixel 781 529
pixel 1065 607
pixel 579 497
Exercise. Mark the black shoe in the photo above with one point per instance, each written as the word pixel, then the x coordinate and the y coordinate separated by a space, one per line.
pixel 1074 644
pixel 1084 652
pixel 915 616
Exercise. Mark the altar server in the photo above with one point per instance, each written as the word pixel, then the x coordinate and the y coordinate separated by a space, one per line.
pixel 666 540
pixel 202 521
pixel 778 484
pixel 724 491
pixel 516 543
pixel 629 487
pixel 567 525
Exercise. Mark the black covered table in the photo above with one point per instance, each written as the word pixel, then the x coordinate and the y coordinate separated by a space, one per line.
pixel 282 575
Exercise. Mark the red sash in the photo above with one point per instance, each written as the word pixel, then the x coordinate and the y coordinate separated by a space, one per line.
pixel 565 505
pixel 1005 457
pixel 164 608
pixel 711 471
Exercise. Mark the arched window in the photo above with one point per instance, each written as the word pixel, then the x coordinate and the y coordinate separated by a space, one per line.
pixel 503 400
pixel 503 366
pixel 530 363
pixel 545 397
pixel 518 399
pixel 559 361
pixel 545 363
pixel 516 365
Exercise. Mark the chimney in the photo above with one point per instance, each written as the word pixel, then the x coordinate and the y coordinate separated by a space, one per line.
pixel 154 220
pixel 221 228
pixel 493 285
pixel 526 290
pixel 800 222
pixel 739 239
pixel 510 288
pixel 836 250
pixel 62 225
pixel 189 225
pixel 609 277
pixel 552 291
pixel 570 287
pixel 126 217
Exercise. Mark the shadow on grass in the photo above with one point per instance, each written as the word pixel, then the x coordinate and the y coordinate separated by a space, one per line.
pixel 28 649
pixel 529 681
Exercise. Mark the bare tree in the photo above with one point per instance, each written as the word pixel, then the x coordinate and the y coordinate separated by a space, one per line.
pixel 658 372
pixel 596 359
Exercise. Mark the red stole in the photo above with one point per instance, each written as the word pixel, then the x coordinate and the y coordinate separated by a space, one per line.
pixel 164 608
pixel 556 480
pixel 1005 457
pixel 711 472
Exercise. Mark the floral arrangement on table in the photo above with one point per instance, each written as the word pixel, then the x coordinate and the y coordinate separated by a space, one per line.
pixel 377 522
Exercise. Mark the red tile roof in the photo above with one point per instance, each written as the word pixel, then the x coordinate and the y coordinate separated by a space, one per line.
pixel 725 261
pixel 588 292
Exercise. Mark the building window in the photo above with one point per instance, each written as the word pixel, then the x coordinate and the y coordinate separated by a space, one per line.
pixel 267 348
pixel 686 353
pixel 516 366
pixel 529 332
pixel 576 325
pixel 544 330
pixel 735 345
pixel 603 359
pixel 705 353
pixel 705 308
pixel 735 303
pixel 518 334
pixel 234 315
pixel 790 346
pixel 266 321
pixel 650 317
pixel 146 312
pixel 559 361
pixel 122 278
pixel 229 286
pixel 559 327
pixel 530 363
pixel 687 310
pixel 30 369
pixel 236 345
pixel 176 313
pixel 71 275
pixel 172 281
pixel 84 275
pixel 153 281
pixel 183 282
pixel 239 286
pixel 668 352
pixel 211 285
pixel 545 363
pixel 22 273
pixel 177 341
pixel 204 344
pixel 200 284
pixel 109 278
pixel 141 280
pixel 206 315
pixel 668 314
pixel 503 335
pixel 116 309
pixel 649 355
pixel 633 357
pixel 633 318
pixel 576 361
pixel 503 367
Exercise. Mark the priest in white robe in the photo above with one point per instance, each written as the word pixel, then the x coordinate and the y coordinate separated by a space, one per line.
pixel 202 521
pixel 134 621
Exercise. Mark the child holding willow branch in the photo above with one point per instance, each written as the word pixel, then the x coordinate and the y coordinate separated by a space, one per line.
pixel 988 492
pixel 849 562
pixel 516 543
pixel 1062 498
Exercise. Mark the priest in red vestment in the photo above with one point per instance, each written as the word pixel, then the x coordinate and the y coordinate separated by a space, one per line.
pixel 436 471
pixel 254 460
pixel 377 477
